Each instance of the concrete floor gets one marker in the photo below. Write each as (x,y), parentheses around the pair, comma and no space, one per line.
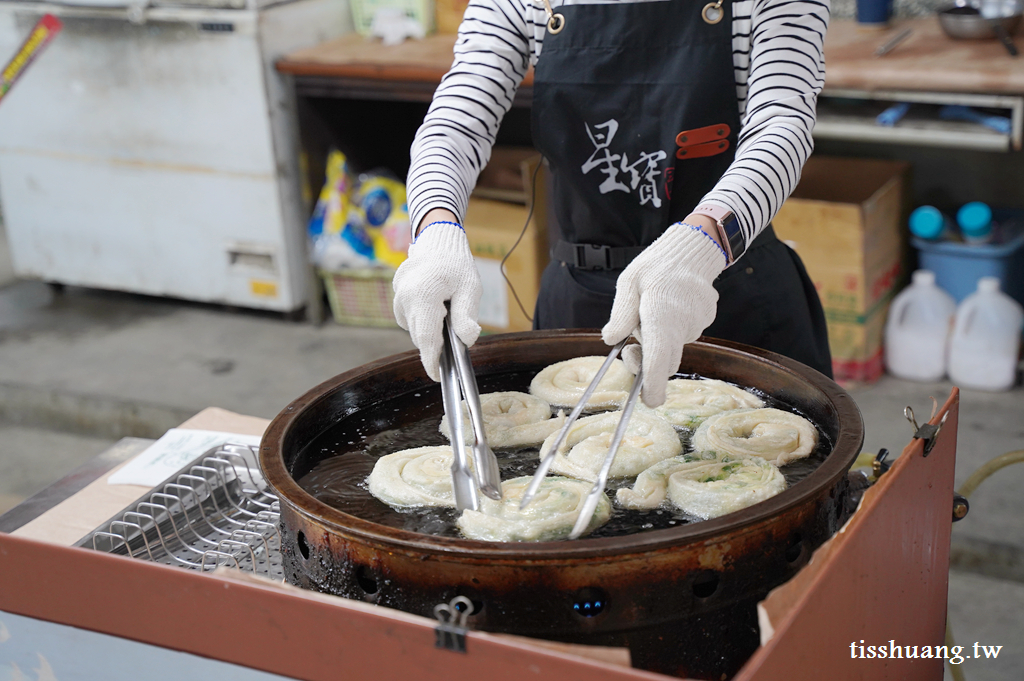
(989,612)
(80,368)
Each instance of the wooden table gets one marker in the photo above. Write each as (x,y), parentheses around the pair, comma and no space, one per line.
(927,60)
(354,67)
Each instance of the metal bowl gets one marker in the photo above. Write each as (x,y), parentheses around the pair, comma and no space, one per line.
(967,23)
(683,599)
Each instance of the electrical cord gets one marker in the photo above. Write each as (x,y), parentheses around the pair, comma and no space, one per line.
(529,216)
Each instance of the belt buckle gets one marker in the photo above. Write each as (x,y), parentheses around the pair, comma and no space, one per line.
(592,257)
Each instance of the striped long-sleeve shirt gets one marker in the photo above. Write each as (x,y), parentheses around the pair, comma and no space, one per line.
(779,69)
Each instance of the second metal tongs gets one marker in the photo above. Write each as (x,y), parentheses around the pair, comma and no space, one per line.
(458,381)
(590,503)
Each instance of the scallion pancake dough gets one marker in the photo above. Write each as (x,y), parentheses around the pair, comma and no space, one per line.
(511,419)
(705,487)
(688,402)
(651,486)
(772,434)
(421,476)
(549,516)
(648,440)
(564,383)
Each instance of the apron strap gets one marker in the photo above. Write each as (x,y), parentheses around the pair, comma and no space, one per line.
(594,257)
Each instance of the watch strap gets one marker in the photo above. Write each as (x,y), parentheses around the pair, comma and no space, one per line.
(728,226)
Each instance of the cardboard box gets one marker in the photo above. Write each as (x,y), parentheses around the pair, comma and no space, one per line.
(845,219)
(493,227)
(449,15)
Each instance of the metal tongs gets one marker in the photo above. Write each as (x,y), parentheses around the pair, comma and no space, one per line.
(458,381)
(594,496)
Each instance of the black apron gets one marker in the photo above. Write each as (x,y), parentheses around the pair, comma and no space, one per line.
(635,109)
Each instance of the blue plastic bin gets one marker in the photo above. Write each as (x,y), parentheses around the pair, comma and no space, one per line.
(958,267)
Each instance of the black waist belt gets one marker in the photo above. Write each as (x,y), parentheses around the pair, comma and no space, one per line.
(592,257)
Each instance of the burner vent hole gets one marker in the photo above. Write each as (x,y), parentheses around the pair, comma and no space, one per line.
(303,546)
(590,602)
(366,580)
(477,607)
(795,548)
(705,585)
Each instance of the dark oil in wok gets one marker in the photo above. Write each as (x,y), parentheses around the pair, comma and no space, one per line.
(333,468)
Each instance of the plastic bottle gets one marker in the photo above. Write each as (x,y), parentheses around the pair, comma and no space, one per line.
(929,223)
(917,330)
(986,339)
(975,220)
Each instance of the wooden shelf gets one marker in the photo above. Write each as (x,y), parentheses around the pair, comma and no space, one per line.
(851,114)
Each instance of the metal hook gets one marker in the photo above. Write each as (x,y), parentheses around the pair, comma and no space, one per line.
(210,497)
(111,537)
(243,545)
(908,412)
(142,533)
(219,555)
(556,22)
(256,492)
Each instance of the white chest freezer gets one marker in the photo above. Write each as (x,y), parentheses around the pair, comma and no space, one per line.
(152,147)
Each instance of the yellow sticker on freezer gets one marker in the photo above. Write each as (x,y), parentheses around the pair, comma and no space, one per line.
(263,288)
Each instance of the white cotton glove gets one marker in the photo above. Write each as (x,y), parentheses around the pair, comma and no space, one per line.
(666,298)
(440,267)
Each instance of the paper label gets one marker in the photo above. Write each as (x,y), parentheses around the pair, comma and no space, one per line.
(167,455)
(494,300)
(263,288)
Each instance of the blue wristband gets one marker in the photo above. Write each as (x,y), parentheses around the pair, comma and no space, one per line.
(710,238)
(440,222)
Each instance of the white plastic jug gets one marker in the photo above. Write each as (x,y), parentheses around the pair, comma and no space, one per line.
(917,331)
(986,339)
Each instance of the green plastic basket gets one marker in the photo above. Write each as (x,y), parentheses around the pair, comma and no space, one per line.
(361,297)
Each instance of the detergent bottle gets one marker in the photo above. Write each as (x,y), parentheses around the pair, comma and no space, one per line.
(985,345)
(917,330)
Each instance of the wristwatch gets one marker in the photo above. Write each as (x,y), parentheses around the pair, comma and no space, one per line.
(728,228)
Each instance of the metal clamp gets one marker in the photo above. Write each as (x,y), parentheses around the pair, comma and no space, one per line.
(556,22)
(451,629)
(928,432)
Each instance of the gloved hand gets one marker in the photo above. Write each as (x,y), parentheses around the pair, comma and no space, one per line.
(439,268)
(666,298)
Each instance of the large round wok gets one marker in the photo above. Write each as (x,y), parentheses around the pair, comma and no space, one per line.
(682,599)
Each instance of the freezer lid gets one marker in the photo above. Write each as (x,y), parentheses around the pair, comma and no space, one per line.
(184,4)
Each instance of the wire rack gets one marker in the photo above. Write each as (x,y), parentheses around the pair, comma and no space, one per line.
(214,512)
